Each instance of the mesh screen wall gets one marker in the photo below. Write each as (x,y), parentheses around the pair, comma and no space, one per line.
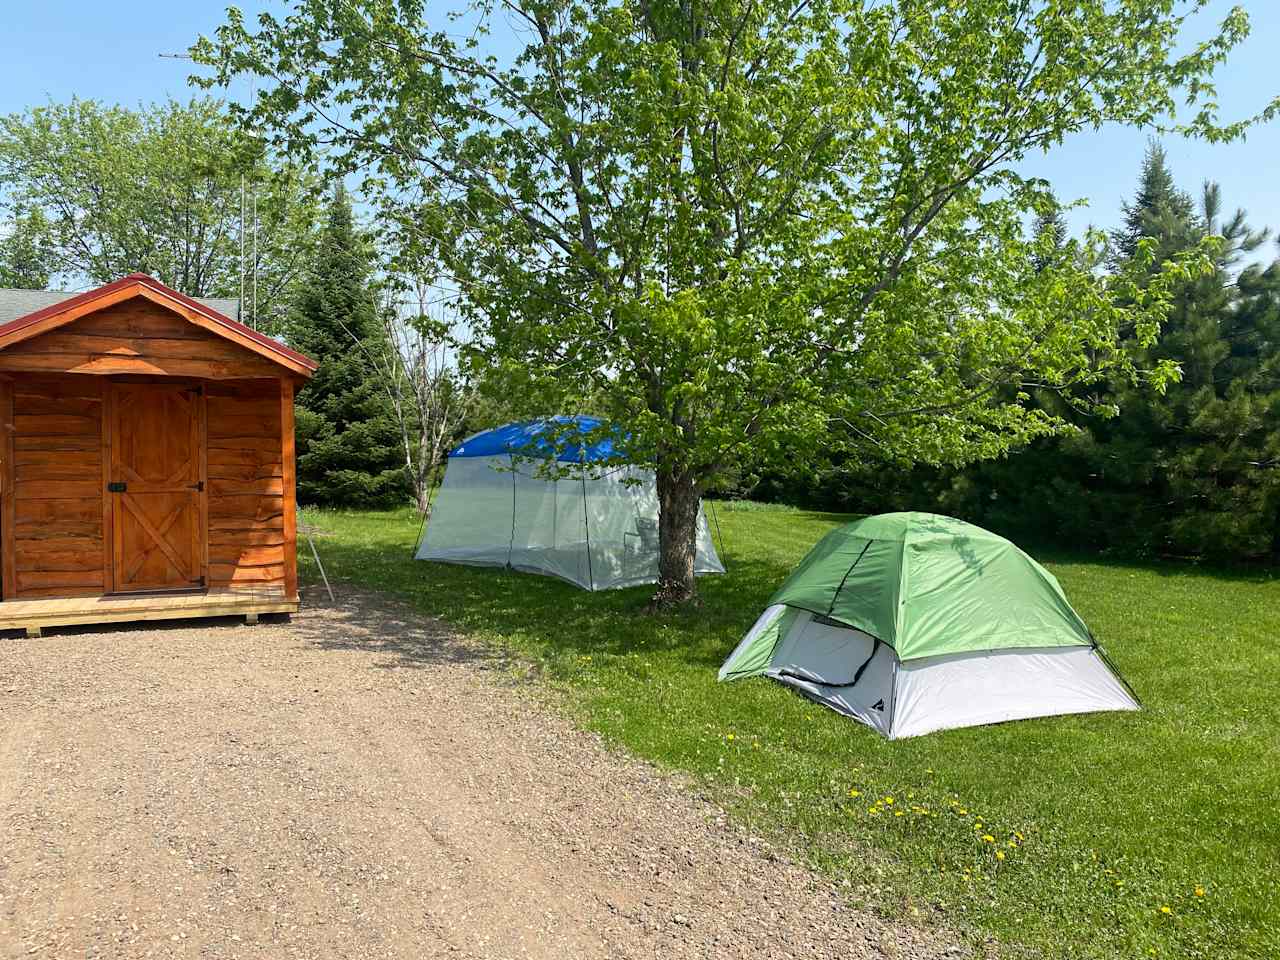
(594,527)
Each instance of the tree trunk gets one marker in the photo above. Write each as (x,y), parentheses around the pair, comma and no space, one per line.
(422,494)
(677,539)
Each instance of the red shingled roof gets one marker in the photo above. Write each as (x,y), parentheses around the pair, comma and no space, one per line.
(272,349)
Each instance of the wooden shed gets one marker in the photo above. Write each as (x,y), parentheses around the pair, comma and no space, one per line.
(146,461)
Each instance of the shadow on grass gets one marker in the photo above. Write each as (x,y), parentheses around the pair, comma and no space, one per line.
(1256,573)
(548,613)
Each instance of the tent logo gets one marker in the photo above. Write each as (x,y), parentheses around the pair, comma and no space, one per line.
(878,705)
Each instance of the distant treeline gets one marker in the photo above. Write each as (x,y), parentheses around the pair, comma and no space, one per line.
(1194,471)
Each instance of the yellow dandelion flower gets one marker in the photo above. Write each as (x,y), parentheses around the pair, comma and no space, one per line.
(731,736)
(999,854)
(889,801)
(1013,844)
(855,793)
(897,813)
(962,811)
(988,838)
(1166,910)
(873,810)
(1199,891)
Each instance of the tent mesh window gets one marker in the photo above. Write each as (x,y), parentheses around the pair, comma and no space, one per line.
(591,525)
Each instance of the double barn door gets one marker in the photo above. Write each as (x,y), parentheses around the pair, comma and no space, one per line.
(155,502)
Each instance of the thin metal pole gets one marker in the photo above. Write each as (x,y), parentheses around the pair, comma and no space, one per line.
(323,576)
(719,536)
(255,258)
(425,514)
(586,525)
(512,545)
(242,271)
(417,543)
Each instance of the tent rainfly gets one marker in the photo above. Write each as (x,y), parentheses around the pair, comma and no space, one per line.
(542,497)
(914,622)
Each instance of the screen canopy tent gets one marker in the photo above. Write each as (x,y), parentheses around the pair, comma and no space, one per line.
(550,497)
(914,622)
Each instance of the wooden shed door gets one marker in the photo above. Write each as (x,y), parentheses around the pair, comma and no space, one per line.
(155,487)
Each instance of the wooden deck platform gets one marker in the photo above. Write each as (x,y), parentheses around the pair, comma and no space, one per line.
(33,615)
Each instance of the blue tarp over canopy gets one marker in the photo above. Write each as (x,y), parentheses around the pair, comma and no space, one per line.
(559,438)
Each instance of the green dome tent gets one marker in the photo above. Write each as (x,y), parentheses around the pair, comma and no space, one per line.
(915,622)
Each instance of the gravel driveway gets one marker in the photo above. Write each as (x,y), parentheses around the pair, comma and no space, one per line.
(359,783)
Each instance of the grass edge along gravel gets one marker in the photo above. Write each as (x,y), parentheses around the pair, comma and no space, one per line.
(1155,834)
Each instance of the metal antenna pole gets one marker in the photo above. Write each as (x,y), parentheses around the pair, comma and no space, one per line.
(253,96)
(254,323)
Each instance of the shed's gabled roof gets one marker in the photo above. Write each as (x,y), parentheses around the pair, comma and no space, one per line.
(200,313)
(15,303)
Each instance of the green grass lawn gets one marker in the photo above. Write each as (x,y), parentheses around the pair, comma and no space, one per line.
(1124,835)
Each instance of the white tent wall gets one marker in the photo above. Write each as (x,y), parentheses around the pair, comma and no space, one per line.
(548,526)
(967,689)
(820,658)
(471,516)
(595,527)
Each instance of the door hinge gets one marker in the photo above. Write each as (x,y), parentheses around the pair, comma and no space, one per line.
(117,486)
(198,486)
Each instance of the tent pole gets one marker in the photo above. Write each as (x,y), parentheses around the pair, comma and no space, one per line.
(719,536)
(836,596)
(417,543)
(426,513)
(512,544)
(586,526)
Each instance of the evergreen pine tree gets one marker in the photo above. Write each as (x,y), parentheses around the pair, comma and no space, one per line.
(1195,470)
(1049,232)
(1164,475)
(1159,210)
(349,451)
(1225,475)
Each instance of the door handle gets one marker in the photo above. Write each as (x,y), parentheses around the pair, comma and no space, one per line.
(117,486)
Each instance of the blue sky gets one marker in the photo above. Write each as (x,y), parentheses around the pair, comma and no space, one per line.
(56,49)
